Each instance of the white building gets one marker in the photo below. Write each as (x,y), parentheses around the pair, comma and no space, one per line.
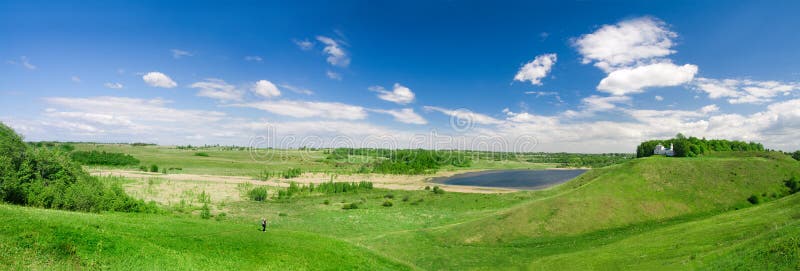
(660,150)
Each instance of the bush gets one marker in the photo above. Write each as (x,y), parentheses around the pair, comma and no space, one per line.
(406,198)
(205,212)
(350,206)
(754,199)
(103,158)
(387,203)
(793,184)
(258,193)
(438,190)
(143,168)
(203,154)
(326,202)
(153,168)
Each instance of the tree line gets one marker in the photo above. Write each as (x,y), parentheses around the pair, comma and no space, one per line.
(692,146)
(414,161)
(49,178)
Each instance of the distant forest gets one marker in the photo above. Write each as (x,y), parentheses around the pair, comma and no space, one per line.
(692,146)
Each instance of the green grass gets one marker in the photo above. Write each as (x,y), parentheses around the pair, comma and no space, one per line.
(46,239)
(648,214)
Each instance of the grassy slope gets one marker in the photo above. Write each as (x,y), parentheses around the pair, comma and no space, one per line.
(643,190)
(39,239)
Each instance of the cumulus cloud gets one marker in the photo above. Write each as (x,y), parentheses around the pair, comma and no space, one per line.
(304,45)
(536,69)
(635,80)
(333,75)
(178,53)
(336,54)
(266,89)
(113,85)
(399,94)
(626,43)
(217,89)
(739,91)
(658,98)
(405,115)
(305,109)
(157,79)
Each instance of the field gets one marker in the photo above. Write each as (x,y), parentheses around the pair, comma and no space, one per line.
(644,214)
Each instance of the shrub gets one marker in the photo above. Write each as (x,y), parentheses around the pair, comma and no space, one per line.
(153,168)
(326,202)
(387,203)
(438,190)
(350,206)
(406,198)
(793,184)
(203,154)
(427,187)
(205,212)
(754,199)
(258,193)
(143,168)
(221,216)
(103,158)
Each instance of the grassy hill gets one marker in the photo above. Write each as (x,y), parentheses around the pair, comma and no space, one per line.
(38,239)
(647,189)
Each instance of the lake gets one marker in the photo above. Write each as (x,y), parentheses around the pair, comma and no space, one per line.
(517,179)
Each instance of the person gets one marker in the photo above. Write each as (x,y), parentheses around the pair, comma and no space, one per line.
(263,224)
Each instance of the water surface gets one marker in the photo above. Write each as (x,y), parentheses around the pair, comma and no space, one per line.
(517,179)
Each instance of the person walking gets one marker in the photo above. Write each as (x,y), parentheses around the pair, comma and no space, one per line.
(263,224)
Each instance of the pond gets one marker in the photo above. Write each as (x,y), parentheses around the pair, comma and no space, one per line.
(517,179)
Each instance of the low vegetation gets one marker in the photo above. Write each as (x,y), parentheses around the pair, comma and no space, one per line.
(103,158)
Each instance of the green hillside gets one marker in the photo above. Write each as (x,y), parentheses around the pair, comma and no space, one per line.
(39,239)
(646,189)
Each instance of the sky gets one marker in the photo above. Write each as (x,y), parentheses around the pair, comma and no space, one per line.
(571,76)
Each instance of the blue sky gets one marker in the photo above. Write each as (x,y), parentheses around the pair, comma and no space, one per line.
(581,76)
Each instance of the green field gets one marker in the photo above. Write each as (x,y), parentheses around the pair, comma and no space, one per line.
(646,214)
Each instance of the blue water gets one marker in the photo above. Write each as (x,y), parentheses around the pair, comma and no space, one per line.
(517,179)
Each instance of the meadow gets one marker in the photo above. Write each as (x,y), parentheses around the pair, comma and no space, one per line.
(652,213)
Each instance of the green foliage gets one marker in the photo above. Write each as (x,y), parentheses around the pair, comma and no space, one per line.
(408,162)
(438,190)
(265,175)
(258,193)
(387,203)
(203,154)
(571,160)
(793,184)
(103,158)
(326,202)
(692,146)
(143,168)
(349,206)
(796,155)
(153,168)
(48,178)
(205,211)
(754,199)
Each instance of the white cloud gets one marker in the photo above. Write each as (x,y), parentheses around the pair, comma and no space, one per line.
(635,80)
(157,79)
(336,55)
(547,93)
(464,114)
(113,85)
(218,89)
(253,58)
(75,79)
(24,62)
(304,109)
(537,69)
(296,89)
(626,43)
(333,75)
(178,53)
(304,45)
(739,91)
(658,98)
(399,94)
(266,89)
(405,115)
